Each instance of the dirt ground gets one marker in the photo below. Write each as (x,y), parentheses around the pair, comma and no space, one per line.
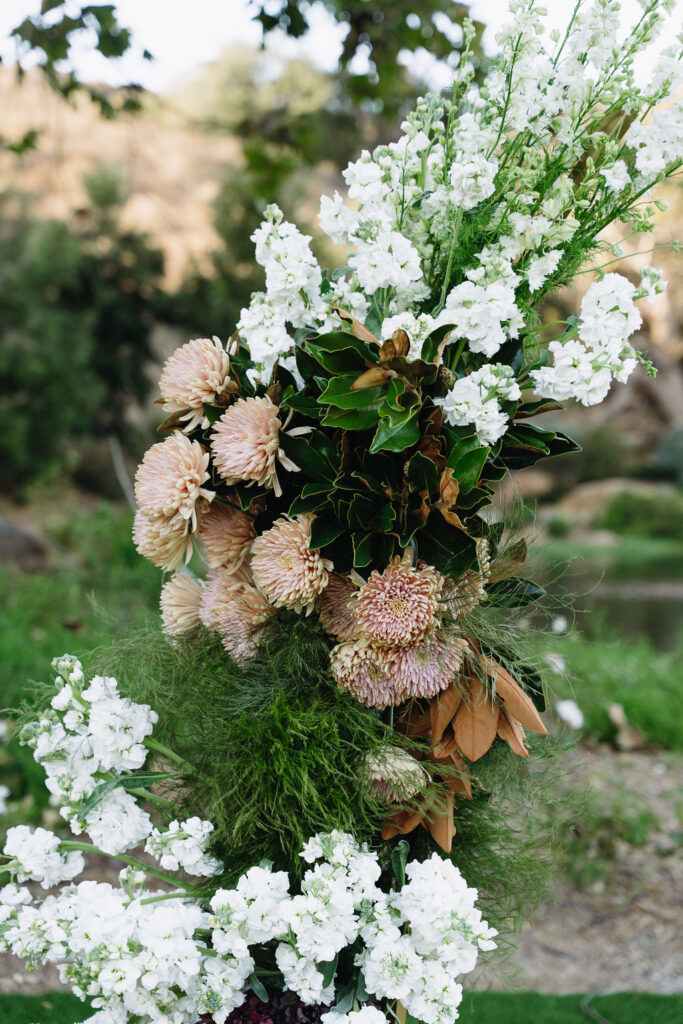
(624,935)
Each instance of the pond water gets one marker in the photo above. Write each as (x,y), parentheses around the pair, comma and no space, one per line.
(646,599)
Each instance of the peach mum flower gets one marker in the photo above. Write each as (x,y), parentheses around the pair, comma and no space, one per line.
(232,606)
(196,373)
(227,534)
(163,541)
(425,668)
(179,603)
(246,444)
(361,668)
(169,480)
(333,607)
(394,775)
(398,605)
(288,572)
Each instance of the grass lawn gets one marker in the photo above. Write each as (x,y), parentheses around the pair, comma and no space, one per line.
(476,1008)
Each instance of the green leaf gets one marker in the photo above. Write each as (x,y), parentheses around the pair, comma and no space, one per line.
(340,272)
(460,446)
(513,593)
(423,474)
(328,969)
(350,419)
(431,344)
(468,469)
(361,511)
(310,453)
(247,495)
(325,528)
(135,780)
(341,353)
(346,997)
(399,859)
(258,988)
(445,547)
(306,405)
(338,393)
(362,549)
(310,503)
(396,435)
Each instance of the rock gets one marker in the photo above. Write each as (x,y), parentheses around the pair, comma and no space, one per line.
(588,501)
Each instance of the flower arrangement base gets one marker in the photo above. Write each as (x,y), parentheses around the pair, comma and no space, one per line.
(281,1009)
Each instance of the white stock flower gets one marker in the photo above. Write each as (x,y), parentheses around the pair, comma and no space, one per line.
(116,823)
(183,845)
(616,177)
(475,399)
(472,181)
(35,856)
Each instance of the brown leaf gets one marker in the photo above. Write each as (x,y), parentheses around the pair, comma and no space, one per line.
(452,519)
(462,782)
(358,330)
(442,709)
(173,422)
(401,824)
(419,724)
(400,343)
(442,346)
(515,700)
(475,724)
(510,730)
(441,826)
(372,378)
(448,487)
(447,746)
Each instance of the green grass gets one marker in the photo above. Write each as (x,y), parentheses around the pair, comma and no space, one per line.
(476,1008)
(630,672)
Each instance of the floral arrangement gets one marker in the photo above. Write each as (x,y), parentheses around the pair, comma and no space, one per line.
(339,669)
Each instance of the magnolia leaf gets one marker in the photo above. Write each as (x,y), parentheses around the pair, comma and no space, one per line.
(442,709)
(373,378)
(516,701)
(452,519)
(338,393)
(358,329)
(446,548)
(310,454)
(476,722)
(441,826)
(396,435)
(351,419)
(362,549)
(422,472)
(325,529)
(510,730)
(468,469)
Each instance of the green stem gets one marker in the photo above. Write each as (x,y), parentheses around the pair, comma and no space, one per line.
(161,748)
(449,265)
(458,352)
(70,844)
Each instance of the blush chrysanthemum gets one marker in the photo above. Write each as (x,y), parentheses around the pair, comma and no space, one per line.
(226,534)
(398,606)
(334,610)
(179,603)
(163,541)
(169,480)
(233,607)
(360,667)
(287,570)
(428,666)
(196,373)
(246,444)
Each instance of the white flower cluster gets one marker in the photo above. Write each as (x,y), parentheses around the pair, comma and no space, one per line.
(183,845)
(92,735)
(145,956)
(584,368)
(475,399)
(415,942)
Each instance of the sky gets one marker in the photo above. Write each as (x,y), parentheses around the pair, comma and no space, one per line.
(184,34)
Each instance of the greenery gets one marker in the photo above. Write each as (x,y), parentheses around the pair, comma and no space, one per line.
(76,311)
(644,515)
(476,1008)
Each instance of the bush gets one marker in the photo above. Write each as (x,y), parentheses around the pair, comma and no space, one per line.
(644,515)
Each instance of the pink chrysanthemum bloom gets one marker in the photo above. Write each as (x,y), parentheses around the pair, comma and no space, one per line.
(163,541)
(246,444)
(334,610)
(289,573)
(179,603)
(427,667)
(233,607)
(226,534)
(394,775)
(197,372)
(169,481)
(361,668)
(398,605)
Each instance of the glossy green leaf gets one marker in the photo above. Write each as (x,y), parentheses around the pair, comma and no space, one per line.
(338,393)
(258,988)
(448,549)
(311,453)
(325,528)
(423,474)
(468,469)
(362,549)
(399,859)
(396,436)
(351,419)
